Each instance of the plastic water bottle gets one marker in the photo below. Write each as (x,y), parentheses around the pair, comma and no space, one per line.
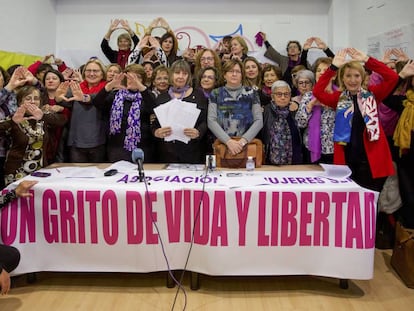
(250,164)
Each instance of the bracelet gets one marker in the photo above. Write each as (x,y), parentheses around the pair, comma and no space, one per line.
(7,198)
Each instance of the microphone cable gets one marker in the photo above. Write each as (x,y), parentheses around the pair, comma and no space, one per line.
(171,274)
(197,215)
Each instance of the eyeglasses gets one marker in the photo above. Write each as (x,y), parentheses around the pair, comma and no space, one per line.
(208,77)
(234,71)
(206,59)
(304,82)
(280,94)
(92,71)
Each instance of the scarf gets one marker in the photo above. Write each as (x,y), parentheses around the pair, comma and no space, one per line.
(93,89)
(314,133)
(267,90)
(181,90)
(402,134)
(345,111)
(280,137)
(122,58)
(133,130)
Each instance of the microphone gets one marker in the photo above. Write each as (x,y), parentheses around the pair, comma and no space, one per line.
(210,162)
(138,157)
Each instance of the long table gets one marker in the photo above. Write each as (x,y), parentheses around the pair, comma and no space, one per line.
(276,221)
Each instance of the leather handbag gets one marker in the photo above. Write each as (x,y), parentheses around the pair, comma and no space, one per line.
(225,159)
(402,259)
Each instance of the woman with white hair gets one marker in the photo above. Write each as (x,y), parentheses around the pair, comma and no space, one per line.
(304,80)
(281,136)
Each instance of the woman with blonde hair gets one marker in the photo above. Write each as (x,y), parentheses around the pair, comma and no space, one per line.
(239,48)
(359,140)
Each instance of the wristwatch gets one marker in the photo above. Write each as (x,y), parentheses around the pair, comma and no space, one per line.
(86,98)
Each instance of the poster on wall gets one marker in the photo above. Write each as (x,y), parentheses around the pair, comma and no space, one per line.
(400,37)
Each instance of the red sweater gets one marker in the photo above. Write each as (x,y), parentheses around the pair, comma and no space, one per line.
(378,152)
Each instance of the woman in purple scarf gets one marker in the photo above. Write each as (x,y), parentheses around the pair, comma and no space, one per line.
(317,121)
(129,108)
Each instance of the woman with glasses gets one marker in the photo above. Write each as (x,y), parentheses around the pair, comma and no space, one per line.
(160,80)
(286,63)
(174,150)
(234,109)
(206,58)
(29,132)
(87,131)
(317,121)
(270,74)
(281,136)
(209,78)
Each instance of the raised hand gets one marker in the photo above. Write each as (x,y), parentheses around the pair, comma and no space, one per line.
(320,44)
(408,70)
(308,43)
(35,112)
(386,58)
(134,83)
(114,24)
(17,79)
(61,91)
(116,82)
(77,75)
(125,25)
(67,73)
(357,55)
(77,93)
(340,58)
(144,42)
(48,58)
(18,116)
(29,77)
(154,42)
(400,54)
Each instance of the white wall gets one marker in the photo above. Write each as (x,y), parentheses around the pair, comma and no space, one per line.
(282,20)
(371,17)
(28,26)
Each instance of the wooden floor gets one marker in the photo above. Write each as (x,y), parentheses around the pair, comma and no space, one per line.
(116,291)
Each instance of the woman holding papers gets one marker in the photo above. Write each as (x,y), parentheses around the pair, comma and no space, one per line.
(129,108)
(180,126)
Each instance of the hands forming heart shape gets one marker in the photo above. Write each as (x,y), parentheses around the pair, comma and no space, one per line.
(27,111)
(63,89)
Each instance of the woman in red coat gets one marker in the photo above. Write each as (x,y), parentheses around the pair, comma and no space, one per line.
(359,139)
